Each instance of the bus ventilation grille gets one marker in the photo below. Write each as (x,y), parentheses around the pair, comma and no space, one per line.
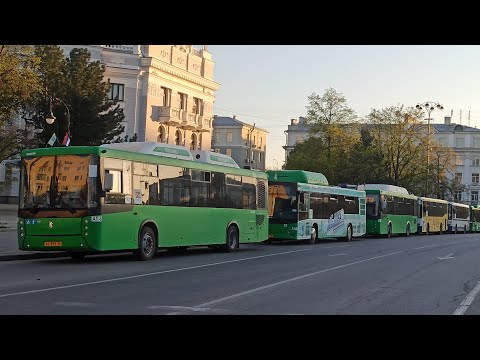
(261,194)
(260,219)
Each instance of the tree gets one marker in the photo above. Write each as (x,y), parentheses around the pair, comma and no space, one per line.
(18,81)
(365,162)
(327,114)
(443,162)
(78,82)
(397,135)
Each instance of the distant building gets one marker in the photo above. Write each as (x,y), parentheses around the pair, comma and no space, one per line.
(465,140)
(297,131)
(245,143)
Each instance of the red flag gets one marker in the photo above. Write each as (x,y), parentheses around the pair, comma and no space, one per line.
(66,140)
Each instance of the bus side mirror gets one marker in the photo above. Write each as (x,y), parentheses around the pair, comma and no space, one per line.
(108,183)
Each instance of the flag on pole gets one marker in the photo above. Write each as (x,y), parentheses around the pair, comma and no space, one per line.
(52,140)
(66,140)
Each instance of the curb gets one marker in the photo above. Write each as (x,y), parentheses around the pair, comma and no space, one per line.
(31,256)
(2,229)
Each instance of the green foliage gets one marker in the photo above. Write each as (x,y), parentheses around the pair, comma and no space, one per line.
(78,82)
(18,81)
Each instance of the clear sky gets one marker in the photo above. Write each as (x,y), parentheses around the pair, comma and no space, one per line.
(269,85)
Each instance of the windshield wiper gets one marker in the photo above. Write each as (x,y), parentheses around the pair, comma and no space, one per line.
(67,207)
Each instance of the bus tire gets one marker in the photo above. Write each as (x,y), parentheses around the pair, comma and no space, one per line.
(232,240)
(147,244)
(78,256)
(313,236)
(407,230)
(389,230)
(349,236)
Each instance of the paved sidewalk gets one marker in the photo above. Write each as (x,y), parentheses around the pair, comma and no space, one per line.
(8,217)
(8,238)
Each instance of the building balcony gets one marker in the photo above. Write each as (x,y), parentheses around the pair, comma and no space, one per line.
(126,48)
(178,117)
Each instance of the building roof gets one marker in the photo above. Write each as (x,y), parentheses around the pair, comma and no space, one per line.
(454,127)
(228,121)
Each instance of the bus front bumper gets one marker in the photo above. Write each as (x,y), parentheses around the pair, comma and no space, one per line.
(54,243)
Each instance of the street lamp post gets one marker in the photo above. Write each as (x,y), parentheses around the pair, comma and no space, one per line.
(50,119)
(429,106)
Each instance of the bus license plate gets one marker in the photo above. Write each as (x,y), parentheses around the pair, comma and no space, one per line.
(52,243)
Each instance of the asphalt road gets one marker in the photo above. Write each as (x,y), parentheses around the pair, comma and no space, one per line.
(436,274)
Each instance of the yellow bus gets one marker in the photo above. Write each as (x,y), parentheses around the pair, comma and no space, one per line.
(432,215)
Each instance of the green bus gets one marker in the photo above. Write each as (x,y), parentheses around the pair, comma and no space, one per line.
(302,206)
(390,210)
(475,218)
(138,197)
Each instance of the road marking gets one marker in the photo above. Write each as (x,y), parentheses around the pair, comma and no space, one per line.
(337,254)
(467,301)
(424,247)
(186,308)
(148,274)
(336,246)
(207,304)
(448,257)
(74,304)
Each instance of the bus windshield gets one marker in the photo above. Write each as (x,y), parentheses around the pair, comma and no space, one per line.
(283,201)
(59,182)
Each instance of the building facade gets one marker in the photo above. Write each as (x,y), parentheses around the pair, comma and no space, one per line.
(245,143)
(297,131)
(465,141)
(167,91)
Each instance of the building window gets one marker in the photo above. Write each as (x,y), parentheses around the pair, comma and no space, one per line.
(459,161)
(476,161)
(459,142)
(474,196)
(253,156)
(442,141)
(178,137)
(182,101)
(261,141)
(229,137)
(246,154)
(259,157)
(193,142)
(476,142)
(197,106)
(117,92)
(475,178)
(457,195)
(167,96)
(458,177)
(254,140)
(217,136)
(228,152)
(161,134)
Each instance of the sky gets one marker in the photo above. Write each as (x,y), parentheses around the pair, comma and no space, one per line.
(269,84)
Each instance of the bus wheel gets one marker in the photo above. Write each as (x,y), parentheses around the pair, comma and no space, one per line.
(231,243)
(349,233)
(77,255)
(313,236)
(389,231)
(407,230)
(147,244)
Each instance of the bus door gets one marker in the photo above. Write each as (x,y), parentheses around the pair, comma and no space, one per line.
(304,215)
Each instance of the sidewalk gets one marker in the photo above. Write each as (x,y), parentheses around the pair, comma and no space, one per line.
(8,216)
(8,238)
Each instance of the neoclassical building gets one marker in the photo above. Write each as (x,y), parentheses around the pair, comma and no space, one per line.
(167,91)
